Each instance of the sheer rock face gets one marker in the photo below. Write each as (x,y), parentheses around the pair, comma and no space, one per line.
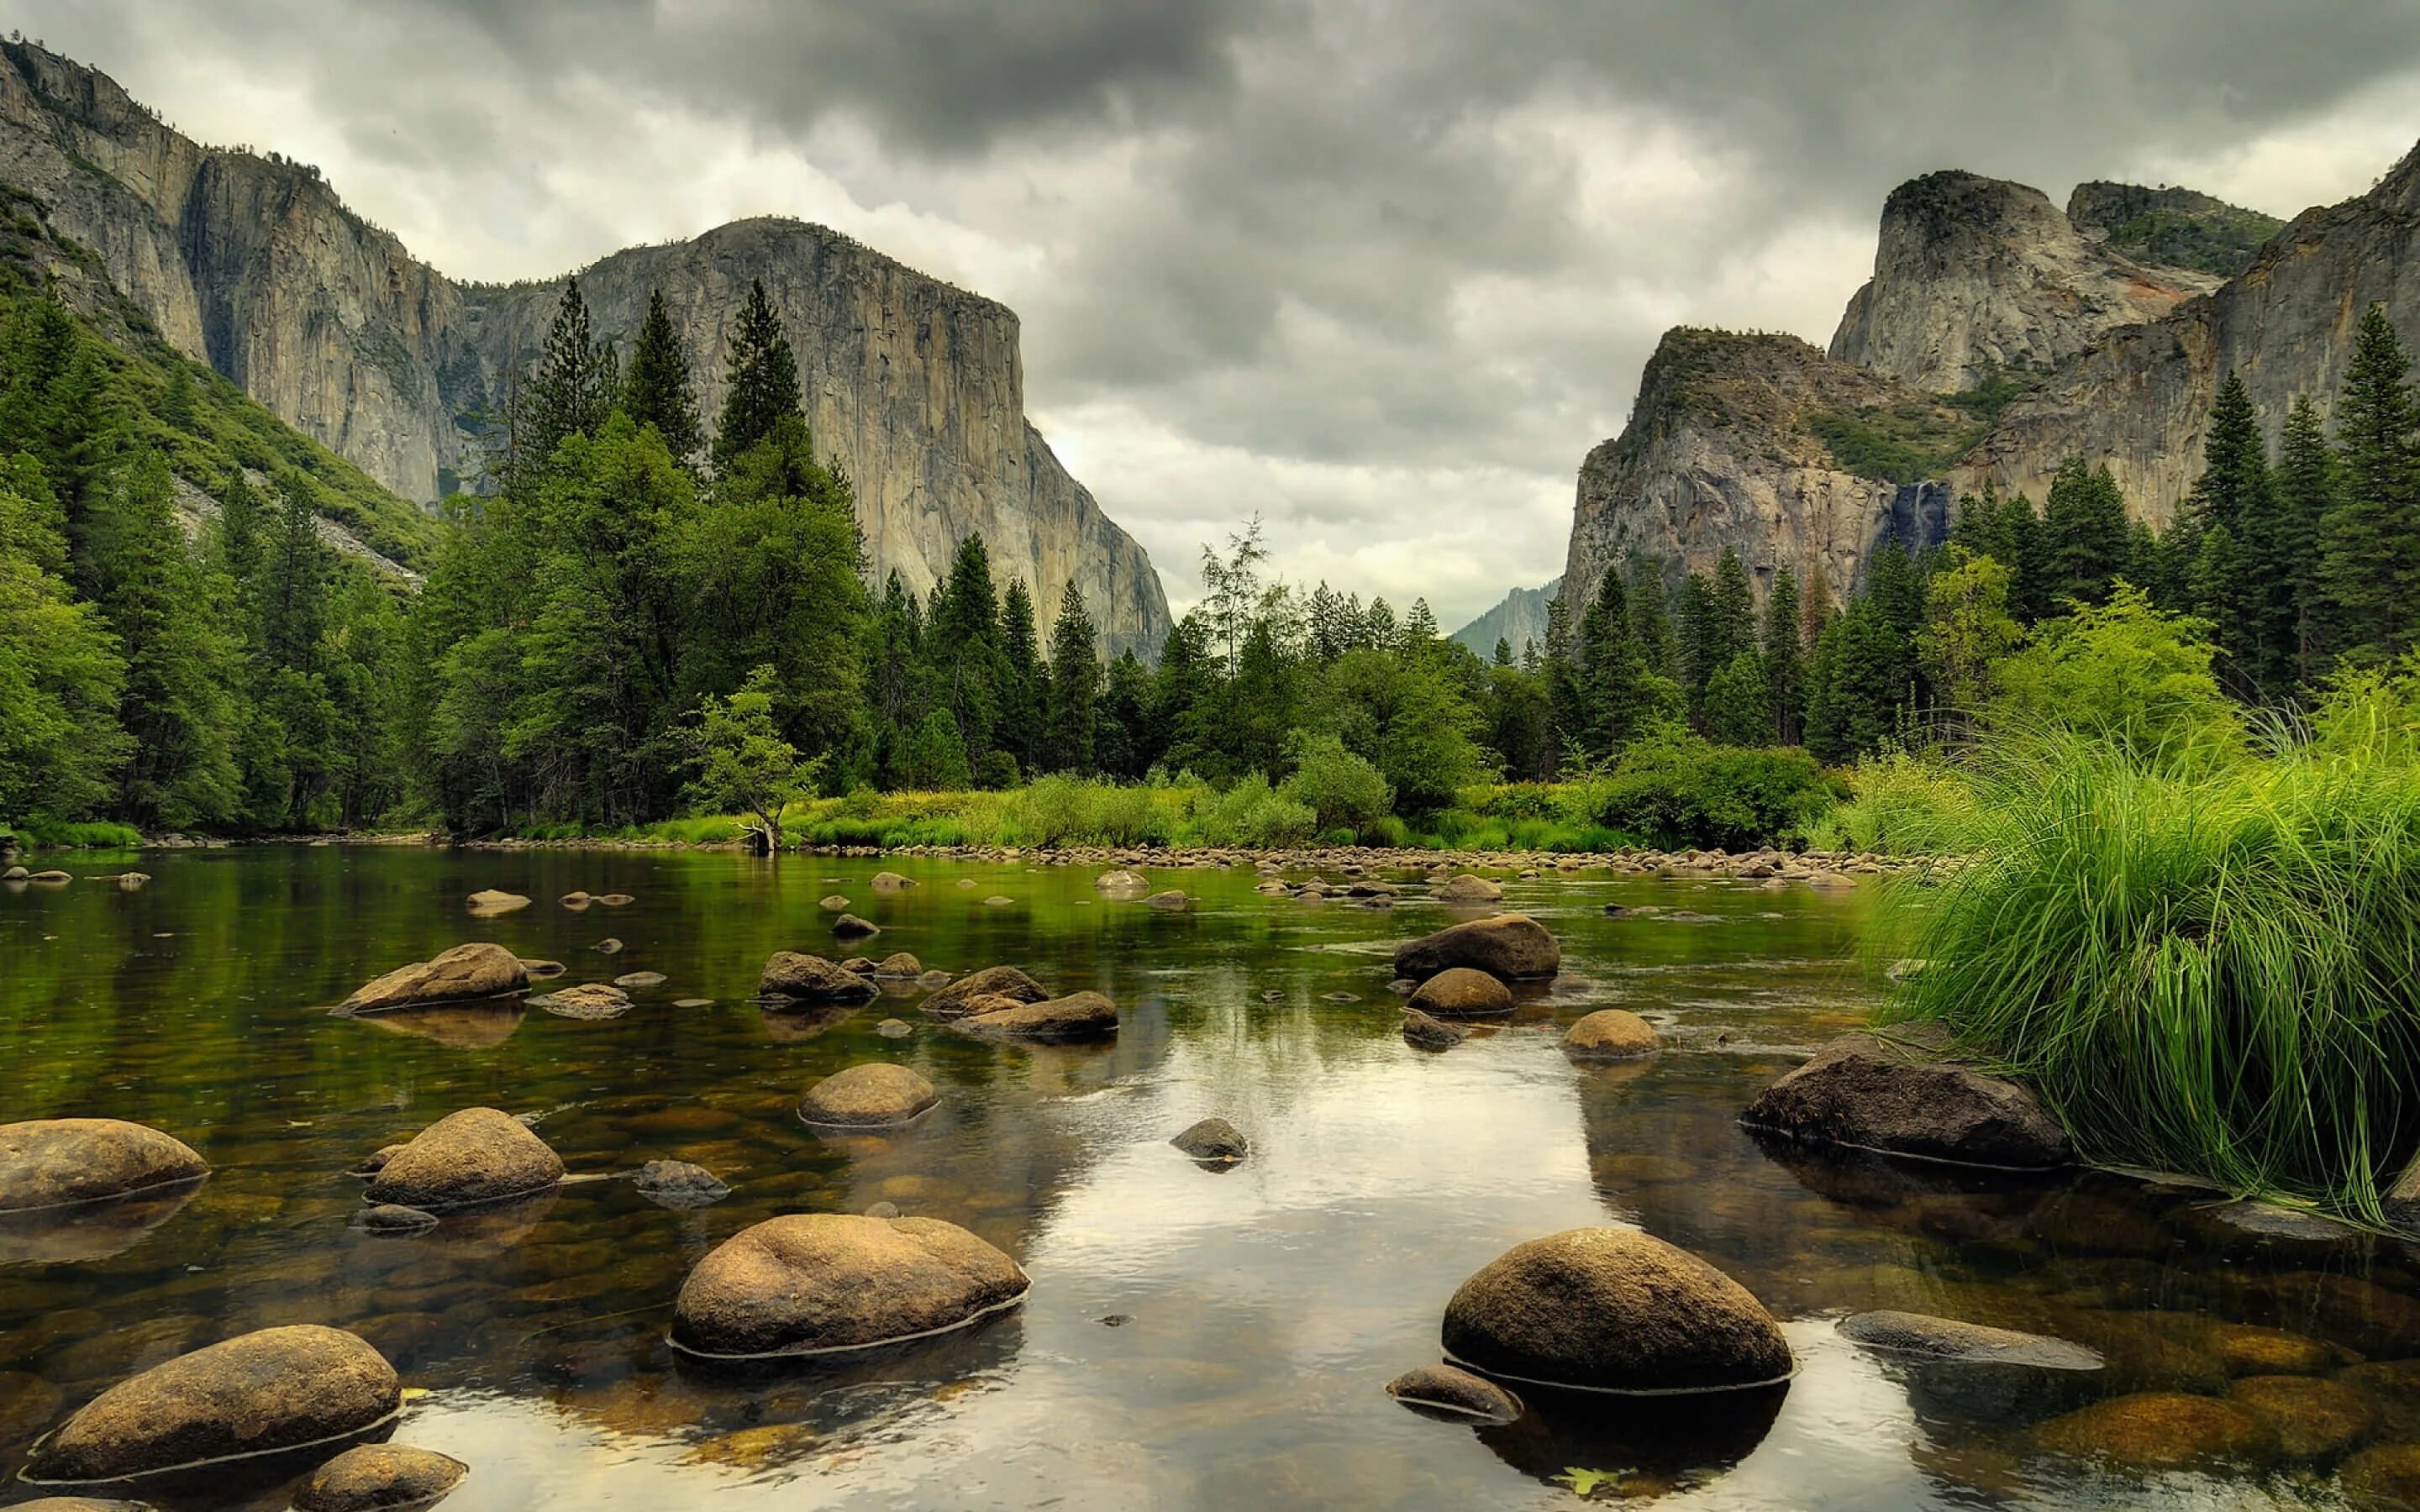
(1976,275)
(1717,455)
(256,266)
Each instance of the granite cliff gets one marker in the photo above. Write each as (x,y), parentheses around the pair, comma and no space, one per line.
(1519,621)
(252,263)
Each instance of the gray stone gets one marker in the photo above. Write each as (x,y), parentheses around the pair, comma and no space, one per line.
(1213,1140)
(676,1183)
(1446,1392)
(1905,1094)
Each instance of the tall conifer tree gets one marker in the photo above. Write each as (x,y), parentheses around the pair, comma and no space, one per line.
(2369,565)
(656,390)
(761,383)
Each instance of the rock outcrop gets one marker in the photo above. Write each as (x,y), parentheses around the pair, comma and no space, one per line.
(253,264)
(823,1283)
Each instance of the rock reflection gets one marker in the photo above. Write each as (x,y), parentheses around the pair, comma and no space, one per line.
(1643,1446)
(481,1025)
(89,1230)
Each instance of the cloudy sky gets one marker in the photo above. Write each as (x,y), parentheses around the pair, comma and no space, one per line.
(1380,269)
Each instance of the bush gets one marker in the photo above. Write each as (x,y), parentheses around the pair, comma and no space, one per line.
(1677,791)
(1342,789)
(1899,805)
(1253,815)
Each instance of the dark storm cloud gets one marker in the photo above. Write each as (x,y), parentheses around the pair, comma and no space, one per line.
(1361,255)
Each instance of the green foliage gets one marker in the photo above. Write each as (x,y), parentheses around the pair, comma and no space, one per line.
(1898,804)
(761,383)
(2369,565)
(1344,791)
(1677,790)
(656,387)
(2129,674)
(1253,813)
(740,760)
(2174,226)
(1905,442)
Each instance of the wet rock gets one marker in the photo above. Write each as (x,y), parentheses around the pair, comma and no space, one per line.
(693,1002)
(895,1028)
(2382,1479)
(393,1218)
(258,1393)
(833,903)
(1171,900)
(1445,1390)
(824,1283)
(640,978)
(1905,1096)
(1213,1140)
(589,1000)
(2251,1351)
(811,978)
(1610,1034)
(538,967)
(892,882)
(1467,889)
(1610,1309)
(15,873)
(1508,946)
(2157,1430)
(476,1155)
(875,1095)
(998,901)
(130,881)
(860,966)
(900,966)
(489,904)
(58,1162)
(27,1404)
(1053,1021)
(615,899)
(370,1477)
(1923,1336)
(952,1001)
(1462,993)
(1122,882)
(2271,1221)
(1425,1033)
(885,1208)
(462,972)
(52,878)
(851,927)
(608,946)
(676,1183)
(575,900)
(2308,1418)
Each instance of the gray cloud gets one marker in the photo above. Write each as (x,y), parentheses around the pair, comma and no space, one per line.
(1385,269)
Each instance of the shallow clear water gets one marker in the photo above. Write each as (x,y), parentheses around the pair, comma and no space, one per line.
(1193,1338)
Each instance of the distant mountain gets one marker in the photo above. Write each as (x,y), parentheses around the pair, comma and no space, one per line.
(1519,620)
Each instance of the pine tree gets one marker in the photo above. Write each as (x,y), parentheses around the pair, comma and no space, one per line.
(569,392)
(1785,660)
(1122,733)
(963,636)
(2305,492)
(1379,632)
(1566,711)
(2370,563)
(2234,563)
(1503,656)
(1075,687)
(656,389)
(1699,639)
(1608,671)
(761,381)
(1024,690)
(1651,620)
(2084,527)
(1734,611)
(1739,711)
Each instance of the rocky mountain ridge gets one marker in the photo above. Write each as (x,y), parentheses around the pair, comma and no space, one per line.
(1518,619)
(253,264)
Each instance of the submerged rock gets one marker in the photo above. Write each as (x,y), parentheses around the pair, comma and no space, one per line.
(589,1000)
(811,978)
(537,966)
(372,1476)
(1442,1389)
(608,946)
(1927,1337)
(375,1161)
(462,972)
(1122,881)
(676,1183)
(1171,900)
(899,966)
(2157,1430)
(1462,993)
(1213,1140)
(1425,1033)
(2307,1417)
(1054,1019)
(825,1283)
(80,1503)
(1510,947)
(1610,1309)
(393,1218)
(642,978)
(851,927)
(833,903)
(892,882)
(1904,1096)
(2382,1479)
(1467,889)
(476,1155)
(575,900)
(895,1028)
(2249,1350)
(875,1095)
(278,1389)
(954,1000)
(58,1162)
(615,899)
(1610,1034)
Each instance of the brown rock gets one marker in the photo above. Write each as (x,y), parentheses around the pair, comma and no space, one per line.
(391,1218)
(2251,1351)
(537,966)
(811,978)
(615,899)
(1905,1096)
(2382,1479)
(2308,1418)
(2157,1430)
(1425,1033)
(823,1283)
(1444,1390)
(833,903)
(1462,993)
(1171,900)
(57,1162)
(1122,881)
(1054,1019)
(80,1503)
(1467,889)
(1610,1034)
(900,966)
(1610,1309)
(875,1095)
(370,1476)
(1510,947)
(851,927)
(464,972)
(1926,1337)
(474,1156)
(955,999)
(1214,1139)
(892,882)
(589,1000)
(492,902)
(575,900)
(640,978)
(277,1389)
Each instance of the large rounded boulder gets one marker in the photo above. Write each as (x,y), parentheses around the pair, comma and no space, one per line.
(1508,946)
(278,1389)
(823,1283)
(474,1156)
(1907,1095)
(1052,1020)
(955,1000)
(1610,1034)
(1609,1309)
(811,978)
(876,1095)
(370,1476)
(461,974)
(55,1162)
(1462,993)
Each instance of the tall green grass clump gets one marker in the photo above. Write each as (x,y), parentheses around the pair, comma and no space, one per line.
(2204,966)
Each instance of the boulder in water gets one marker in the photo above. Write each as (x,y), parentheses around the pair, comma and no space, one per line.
(1610,1034)
(575,900)
(1424,1032)
(589,1000)
(951,1001)
(539,967)
(812,1284)
(892,882)
(1612,1309)
(1467,889)
(615,899)
(2157,1430)
(490,903)
(851,927)
(1053,1021)
(263,1393)
(375,1477)
(2383,1478)
(58,1162)
(608,946)
(676,1183)
(477,1155)
(640,978)
(1462,993)
(1214,1141)
(393,1218)
(459,975)
(1922,1336)
(1122,881)
(1441,1390)
(899,966)
(833,903)
(875,1095)
(52,878)
(16,873)
(1173,900)
(1906,1096)
(1508,947)
(811,978)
